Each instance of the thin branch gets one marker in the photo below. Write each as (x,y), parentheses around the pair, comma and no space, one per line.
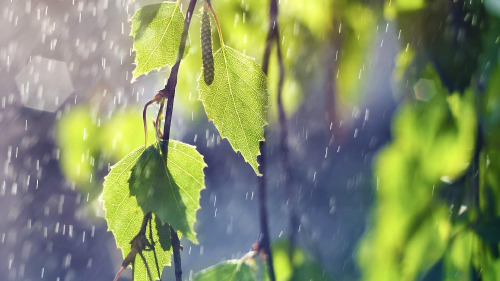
(176,244)
(153,246)
(264,241)
(169,92)
(285,163)
(272,37)
(169,89)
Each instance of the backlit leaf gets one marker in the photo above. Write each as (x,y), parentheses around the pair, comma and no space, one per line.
(236,102)
(124,217)
(157,31)
(232,270)
(170,191)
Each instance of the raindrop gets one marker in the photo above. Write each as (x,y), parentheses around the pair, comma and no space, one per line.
(14,189)
(2,191)
(60,205)
(67,261)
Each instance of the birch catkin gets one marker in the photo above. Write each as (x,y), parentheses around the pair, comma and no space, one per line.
(206,48)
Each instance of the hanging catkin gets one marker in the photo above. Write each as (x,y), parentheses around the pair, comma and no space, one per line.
(206,48)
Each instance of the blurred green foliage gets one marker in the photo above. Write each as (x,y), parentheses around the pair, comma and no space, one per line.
(90,145)
(297,266)
(436,214)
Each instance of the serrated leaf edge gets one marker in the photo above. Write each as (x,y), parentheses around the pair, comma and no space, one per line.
(103,201)
(171,146)
(265,113)
(134,50)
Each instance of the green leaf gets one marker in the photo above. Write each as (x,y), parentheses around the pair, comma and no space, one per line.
(232,270)
(236,102)
(170,191)
(124,217)
(157,31)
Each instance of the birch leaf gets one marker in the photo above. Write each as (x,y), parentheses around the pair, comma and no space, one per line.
(236,102)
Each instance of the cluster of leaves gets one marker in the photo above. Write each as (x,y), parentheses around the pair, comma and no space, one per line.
(437,211)
(166,178)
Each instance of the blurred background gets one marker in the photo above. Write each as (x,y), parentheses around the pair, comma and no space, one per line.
(393,113)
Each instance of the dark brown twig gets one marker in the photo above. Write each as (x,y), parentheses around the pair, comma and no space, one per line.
(273,37)
(138,244)
(153,246)
(177,254)
(169,92)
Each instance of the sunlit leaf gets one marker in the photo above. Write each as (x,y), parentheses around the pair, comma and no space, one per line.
(232,270)
(171,191)
(236,102)
(157,31)
(124,217)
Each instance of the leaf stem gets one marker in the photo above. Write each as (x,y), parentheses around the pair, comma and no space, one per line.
(219,30)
